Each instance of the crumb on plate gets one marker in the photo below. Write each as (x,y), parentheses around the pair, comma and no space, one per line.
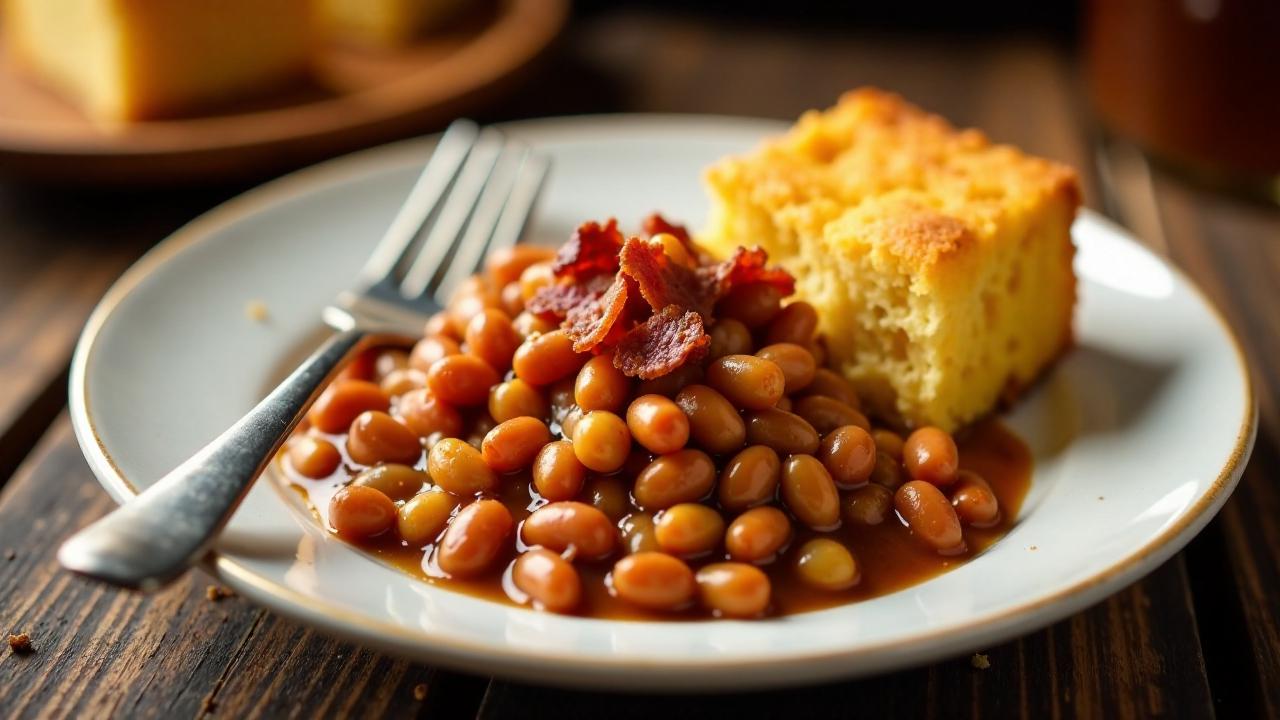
(256,310)
(980,661)
(20,644)
(216,593)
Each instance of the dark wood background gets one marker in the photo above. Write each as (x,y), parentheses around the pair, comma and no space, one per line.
(1198,637)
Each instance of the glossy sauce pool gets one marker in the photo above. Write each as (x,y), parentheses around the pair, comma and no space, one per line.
(889,557)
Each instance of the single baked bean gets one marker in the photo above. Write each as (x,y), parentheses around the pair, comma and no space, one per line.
(459,468)
(810,493)
(461,380)
(562,525)
(430,349)
(314,458)
(376,437)
(826,414)
(549,580)
(601,441)
(868,505)
(505,265)
(758,535)
(543,359)
(931,455)
(402,380)
(396,481)
(795,323)
(832,384)
(512,445)
(747,381)
(827,565)
(557,472)
(674,249)
(360,367)
(534,278)
(342,401)
(424,516)
(438,325)
(714,423)
(658,424)
(512,302)
(785,432)
(517,398)
(474,539)
(683,476)
(849,454)
(930,516)
(638,533)
(469,300)
(360,512)
(653,580)
(974,501)
(388,361)
(608,495)
(753,304)
(729,337)
(425,415)
(796,362)
(601,386)
(888,472)
(569,420)
(689,529)
(527,324)
(491,337)
(733,590)
(749,478)
(673,382)
(888,442)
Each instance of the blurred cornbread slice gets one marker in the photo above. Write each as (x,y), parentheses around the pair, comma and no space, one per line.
(138,59)
(940,264)
(384,23)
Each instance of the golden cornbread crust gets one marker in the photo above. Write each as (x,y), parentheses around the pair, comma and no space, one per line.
(939,263)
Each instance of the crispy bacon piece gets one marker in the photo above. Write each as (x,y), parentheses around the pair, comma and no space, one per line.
(745,267)
(593,250)
(664,342)
(663,282)
(591,323)
(553,302)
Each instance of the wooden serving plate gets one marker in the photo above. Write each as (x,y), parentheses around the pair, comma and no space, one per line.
(357,97)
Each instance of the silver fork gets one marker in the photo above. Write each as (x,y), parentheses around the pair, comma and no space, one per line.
(473,197)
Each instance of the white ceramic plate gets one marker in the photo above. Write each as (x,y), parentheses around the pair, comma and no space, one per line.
(1139,434)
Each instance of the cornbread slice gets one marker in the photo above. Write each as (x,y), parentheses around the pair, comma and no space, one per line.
(939,263)
(123,60)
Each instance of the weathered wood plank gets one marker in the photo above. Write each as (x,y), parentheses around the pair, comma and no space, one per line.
(101,652)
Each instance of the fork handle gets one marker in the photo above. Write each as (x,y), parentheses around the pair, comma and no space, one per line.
(153,538)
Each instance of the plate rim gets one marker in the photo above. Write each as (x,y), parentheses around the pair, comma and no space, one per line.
(413,642)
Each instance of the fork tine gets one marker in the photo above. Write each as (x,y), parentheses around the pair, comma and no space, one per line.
(475,244)
(446,232)
(524,194)
(430,187)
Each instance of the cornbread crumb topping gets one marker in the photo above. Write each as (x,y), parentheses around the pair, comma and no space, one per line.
(980,661)
(20,644)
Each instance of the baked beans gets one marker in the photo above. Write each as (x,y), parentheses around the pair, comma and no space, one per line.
(750,478)
(795,361)
(795,323)
(361,512)
(689,530)
(341,402)
(424,516)
(785,432)
(425,415)
(376,437)
(549,580)
(505,265)
(601,441)
(753,305)
(459,468)
(639,533)
(827,565)
(868,505)
(601,386)
(974,501)
(570,526)
(653,580)
(398,482)
(849,454)
(512,445)
(557,472)
(930,516)
(729,337)
(461,380)
(826,414)
(930,454)
(810,493)
(714,423)
(829,383)
(542,359)
(733,590)
(758,535)
(430,349)
(474,538)
(314,458)
(517,398)
(658,424)
(491,337)
(747,381)
(683,476)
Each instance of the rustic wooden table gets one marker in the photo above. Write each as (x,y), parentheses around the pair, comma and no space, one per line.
(1198,637)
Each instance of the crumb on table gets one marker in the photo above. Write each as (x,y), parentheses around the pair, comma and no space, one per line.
(1033,548)
(216,593)
(420,692)
(10,554)
(256,310)
(20,644)
(980,661)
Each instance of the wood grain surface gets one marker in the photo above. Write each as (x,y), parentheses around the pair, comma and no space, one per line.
(1197,638)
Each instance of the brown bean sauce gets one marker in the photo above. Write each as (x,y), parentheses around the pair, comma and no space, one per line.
(889,557)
